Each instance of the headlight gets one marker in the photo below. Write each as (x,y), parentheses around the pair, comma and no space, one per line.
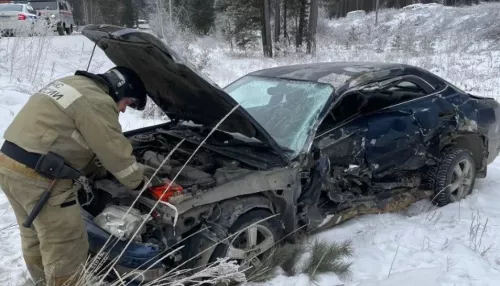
(114,221)
(52,16)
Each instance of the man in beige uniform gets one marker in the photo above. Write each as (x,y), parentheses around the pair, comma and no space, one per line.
(75,117)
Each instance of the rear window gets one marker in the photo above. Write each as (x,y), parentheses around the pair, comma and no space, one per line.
(49,5)
(11,7)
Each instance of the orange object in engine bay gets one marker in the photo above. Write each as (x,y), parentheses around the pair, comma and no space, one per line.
(164,192)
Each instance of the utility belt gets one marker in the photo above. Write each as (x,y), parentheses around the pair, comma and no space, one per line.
(50,165)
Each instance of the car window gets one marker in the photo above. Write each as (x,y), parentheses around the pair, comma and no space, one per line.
(31,10)
(11,7)
(49,5)
(349,104)
(61,6)
(327,123)
(399,93)
(371,99)
(286,109)
(406,86)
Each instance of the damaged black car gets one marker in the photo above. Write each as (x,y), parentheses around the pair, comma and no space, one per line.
(313,144)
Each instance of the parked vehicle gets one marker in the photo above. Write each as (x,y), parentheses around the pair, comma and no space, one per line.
(57,13)
(316,144)
(17,18)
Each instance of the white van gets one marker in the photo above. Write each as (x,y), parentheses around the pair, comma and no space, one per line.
(57,12)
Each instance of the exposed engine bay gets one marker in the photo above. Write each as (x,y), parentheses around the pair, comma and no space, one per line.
(205,171)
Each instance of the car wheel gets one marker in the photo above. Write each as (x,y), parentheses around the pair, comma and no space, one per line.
(69,30)
(60,30)
(250,247)
(455,176)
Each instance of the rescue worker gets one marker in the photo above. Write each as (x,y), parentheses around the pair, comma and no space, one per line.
(75,117)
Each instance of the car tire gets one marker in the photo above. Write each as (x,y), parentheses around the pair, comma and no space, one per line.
(60,30)
(267,233)
(69,30)
(454,177)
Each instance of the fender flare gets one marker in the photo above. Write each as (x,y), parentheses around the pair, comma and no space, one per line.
(476,143)
(230,211)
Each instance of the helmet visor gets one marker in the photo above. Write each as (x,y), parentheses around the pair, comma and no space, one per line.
(137,104)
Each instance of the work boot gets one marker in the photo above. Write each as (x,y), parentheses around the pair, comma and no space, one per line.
(35,268)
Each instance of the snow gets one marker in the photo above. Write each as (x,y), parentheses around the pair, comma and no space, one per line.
(356,14)
(423,245)
(422,6)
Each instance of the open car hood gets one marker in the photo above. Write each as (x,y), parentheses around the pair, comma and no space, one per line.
(173,83)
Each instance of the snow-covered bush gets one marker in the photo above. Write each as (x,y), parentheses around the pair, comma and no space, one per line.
(464,25)
(25,54)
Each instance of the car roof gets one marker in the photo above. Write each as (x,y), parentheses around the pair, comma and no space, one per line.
(342,74)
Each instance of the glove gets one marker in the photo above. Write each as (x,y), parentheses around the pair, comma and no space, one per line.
(155,182)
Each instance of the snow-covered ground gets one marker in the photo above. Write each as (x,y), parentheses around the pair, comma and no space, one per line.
(421,246)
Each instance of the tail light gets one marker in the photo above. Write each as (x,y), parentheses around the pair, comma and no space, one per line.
(164,192)
(21,17)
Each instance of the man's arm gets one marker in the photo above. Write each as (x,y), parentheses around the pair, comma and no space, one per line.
(99,126)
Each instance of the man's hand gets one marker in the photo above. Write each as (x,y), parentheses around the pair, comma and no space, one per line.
(148,173)
(155,182)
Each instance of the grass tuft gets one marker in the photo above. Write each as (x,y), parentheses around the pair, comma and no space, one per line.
(328,257)
(284,256)
(324,257)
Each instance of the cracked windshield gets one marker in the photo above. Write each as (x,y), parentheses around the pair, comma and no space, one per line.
(286,109)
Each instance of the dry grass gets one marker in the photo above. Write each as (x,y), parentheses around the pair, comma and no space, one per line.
(25,56)
(476,234)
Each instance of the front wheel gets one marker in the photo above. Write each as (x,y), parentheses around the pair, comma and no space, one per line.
(69,30)
(455,176)
(250,246)
(60,30)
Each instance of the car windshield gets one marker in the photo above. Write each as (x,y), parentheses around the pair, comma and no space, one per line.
(49,5)
(11,7)
(287,109)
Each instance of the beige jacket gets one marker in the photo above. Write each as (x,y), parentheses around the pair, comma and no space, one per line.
(76,118)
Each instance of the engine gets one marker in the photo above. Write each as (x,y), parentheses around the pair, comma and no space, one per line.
(205,170)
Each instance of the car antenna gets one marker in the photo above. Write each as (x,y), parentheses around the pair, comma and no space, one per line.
(91,56)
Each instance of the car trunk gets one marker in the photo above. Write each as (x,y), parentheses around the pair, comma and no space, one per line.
(8,16)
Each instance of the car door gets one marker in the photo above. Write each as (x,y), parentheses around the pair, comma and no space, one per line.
(341,135)
(399,135)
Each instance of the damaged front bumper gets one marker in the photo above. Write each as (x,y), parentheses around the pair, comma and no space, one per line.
(136,258)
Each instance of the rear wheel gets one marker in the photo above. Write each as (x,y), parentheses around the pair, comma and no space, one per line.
(250,247)
(60,30)
(455,176)
(69,30)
